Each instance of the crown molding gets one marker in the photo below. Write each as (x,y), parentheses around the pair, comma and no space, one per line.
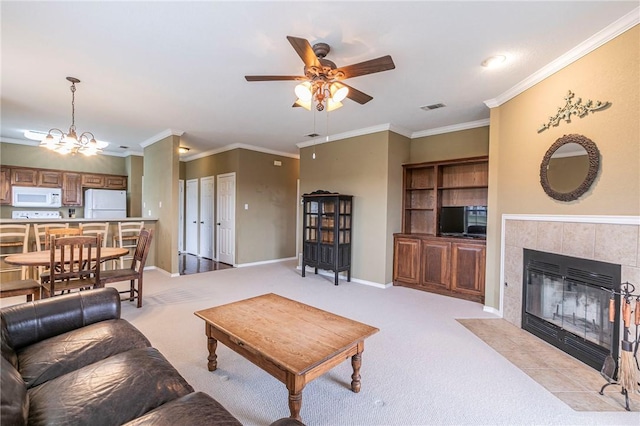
(623,24)
(239,146)
(452,128)
(354,133)
(160,136)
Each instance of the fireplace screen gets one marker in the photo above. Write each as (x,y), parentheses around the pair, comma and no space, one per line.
(580,309)
(566,303)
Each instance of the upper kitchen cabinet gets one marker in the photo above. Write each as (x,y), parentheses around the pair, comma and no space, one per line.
(104,181)
(50,178)
(5,185)
(71,189)
(24,177)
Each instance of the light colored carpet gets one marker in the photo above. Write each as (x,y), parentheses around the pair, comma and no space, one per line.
(422,368)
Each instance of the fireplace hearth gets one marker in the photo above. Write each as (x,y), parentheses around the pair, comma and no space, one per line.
(566,303)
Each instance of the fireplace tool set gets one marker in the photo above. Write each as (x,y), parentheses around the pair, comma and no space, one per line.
(629,366)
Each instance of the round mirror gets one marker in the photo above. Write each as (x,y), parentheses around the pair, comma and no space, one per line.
(569,167)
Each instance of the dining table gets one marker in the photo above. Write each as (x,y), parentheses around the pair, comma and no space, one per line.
(43,258)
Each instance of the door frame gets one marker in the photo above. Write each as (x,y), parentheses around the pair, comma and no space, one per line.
(201,249)
(196,245)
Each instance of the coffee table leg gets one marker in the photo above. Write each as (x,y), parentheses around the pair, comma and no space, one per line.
(356,362)
(212,345)
(295,384)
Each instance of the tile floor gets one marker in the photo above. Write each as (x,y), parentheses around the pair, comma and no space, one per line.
(190,264)
(572,381)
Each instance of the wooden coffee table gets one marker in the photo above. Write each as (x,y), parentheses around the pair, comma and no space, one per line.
(293,342)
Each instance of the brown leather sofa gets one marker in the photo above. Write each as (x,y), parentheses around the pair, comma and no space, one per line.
(72,360)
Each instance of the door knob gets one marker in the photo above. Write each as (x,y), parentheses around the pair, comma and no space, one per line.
(194,221)
(218,223)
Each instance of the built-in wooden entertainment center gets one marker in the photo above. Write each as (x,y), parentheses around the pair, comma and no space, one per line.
(424,258)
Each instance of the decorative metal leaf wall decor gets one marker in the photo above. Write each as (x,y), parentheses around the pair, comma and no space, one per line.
(578,108)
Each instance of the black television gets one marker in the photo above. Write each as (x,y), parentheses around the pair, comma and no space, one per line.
(463,221)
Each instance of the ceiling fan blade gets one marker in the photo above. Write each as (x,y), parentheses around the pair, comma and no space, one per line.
(304,50)
(274,77)
(356,95)
(383,63)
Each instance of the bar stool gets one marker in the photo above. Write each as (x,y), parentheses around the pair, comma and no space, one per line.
(128,234)
(13,239)
(101,228)
(95,229)
(39,230)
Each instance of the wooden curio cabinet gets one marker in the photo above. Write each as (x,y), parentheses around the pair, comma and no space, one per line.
(326,232)
(427,258)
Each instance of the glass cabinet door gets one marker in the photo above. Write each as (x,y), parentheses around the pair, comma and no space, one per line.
(311,217)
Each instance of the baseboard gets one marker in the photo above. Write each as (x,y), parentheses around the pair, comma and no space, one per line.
(162,271)
(264,262)
(343,276)
(492,310)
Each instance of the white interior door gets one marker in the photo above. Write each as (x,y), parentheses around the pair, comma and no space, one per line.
(180,216)
(226,212)
(191,213)
(206,216)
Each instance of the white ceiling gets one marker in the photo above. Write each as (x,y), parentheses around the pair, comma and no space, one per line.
(147,67)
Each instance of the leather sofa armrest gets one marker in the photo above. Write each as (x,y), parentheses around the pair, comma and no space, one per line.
(32,322)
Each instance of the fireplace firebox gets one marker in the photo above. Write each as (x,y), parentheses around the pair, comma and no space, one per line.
(566,303)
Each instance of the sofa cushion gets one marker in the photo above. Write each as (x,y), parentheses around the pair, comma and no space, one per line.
(14,405)
(194,409)
(5,344)
(109,392)
(70,351)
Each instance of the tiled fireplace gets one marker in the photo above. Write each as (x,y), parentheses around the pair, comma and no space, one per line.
(611,239)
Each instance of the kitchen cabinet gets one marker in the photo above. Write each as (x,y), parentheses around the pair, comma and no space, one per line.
(92,181)
(115,182)
(24,177)
(5,185)
(100,181)
(450,266)
(71,189)
(326,232)
(50,178)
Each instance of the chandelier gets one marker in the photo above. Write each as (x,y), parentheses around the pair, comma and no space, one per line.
(70,142)
(325,94)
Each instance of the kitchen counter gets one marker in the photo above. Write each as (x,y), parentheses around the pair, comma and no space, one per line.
(80,220)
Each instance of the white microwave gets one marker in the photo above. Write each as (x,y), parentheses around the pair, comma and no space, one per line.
(29,196)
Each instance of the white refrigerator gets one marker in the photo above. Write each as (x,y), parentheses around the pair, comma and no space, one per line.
(105,203)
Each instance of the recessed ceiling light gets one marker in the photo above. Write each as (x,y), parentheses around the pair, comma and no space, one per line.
(493,61)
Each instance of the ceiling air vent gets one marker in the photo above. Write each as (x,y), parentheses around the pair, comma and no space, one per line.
(124,147)
(434,106)
(313,135)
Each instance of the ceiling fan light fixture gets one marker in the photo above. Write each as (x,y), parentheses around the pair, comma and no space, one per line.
(304,104)
(332,105)
(338,92)
(303,91)
(183,150)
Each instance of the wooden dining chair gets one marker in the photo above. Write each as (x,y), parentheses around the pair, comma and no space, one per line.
(135,272)
(13,239)
(74,264)
(60,232)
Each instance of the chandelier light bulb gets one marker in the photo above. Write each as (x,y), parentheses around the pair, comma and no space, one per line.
(338,92)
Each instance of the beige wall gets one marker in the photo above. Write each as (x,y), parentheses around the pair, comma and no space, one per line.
(358,166)
(398,154)
(160,192)
(34,156)
(610,73)
(448,146)
(266,230)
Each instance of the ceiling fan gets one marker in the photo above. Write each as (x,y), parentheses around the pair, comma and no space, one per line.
(322,81)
